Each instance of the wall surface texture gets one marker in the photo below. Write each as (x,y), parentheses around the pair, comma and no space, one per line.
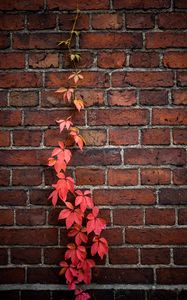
(134,65)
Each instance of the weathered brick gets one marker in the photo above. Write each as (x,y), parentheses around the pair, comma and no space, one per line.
(180,4)
(172,196)
(21,5)
(12,60)
(155,176)
(180,136)
(110,40)
(179,97)
(182,216)
(126,217)
(175,60)
(172,275)
(13,197)
(41,21)
(3,98)
(30,217)
(3,256)
(122,98)
(112,60)
(24,98)
(90,176)
(124,197)
(43,60)
(151,256)
(118,117)
(179,255)
(123,136)
(123,256)
(144,60)
(66,21)
(155,156)
(83,5)
(166,116)
(26,176)
(182,78)
(20,80)
(122,177)
(24,157)
(154,216)
(172,20)
(139,21)
(137,4)
(156,136)
(107,21)
(12,275)
(25,256)
(86,60)
(155,40)
(10,118)
(180,176)
(4,177)
(4,138)
(27,137)
(142,79)
(6,217)
(12,22)
(151,97)
(4,41)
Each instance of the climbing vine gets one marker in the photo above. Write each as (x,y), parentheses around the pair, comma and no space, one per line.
(81,216)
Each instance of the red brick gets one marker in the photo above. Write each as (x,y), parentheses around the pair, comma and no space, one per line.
(34,237)
(180,4)
(180,256)
(3,98)
(12,60)
(122,177)
(21,5)
(122,98)
(51,137)
(180,136)
(6,217)
(26,177)
(123,275)
(124,197)
(13,197)
(173,20)
(43,60)
(91,97)
(179,97)
(20,80)
(155,136)
(155,156)
(182,78)
(139,21)
(30,217)
(175,60)
(12,275)
(11,22)
(173,196)
(39,197)
(114,236)
(23,98)
(150,256)
(143,4)
(166,116)
(154,216)
(10,118)
(123,256)
(3,256)
(123,136)
(118,117)
(25,256)
(156,236)
(126,217)
(53,255)
(91,79)
(105,213)
(172,276)
(94,137)
(43,275)
(38,40)
(49,117)
(4,138)
(66,21)
(4,177)
(83,4)
(112,60)
(155,176)
(96,157)
(110,40)
(4,40)
(24,157)
(182,215)
(142,79)
(144,60)
(156,40)
(41,21)
(148,97)
(180,176)
(27,137)
(89,176)
(86,60)
(107,21)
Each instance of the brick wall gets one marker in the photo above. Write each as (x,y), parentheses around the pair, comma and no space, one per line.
(135,82)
